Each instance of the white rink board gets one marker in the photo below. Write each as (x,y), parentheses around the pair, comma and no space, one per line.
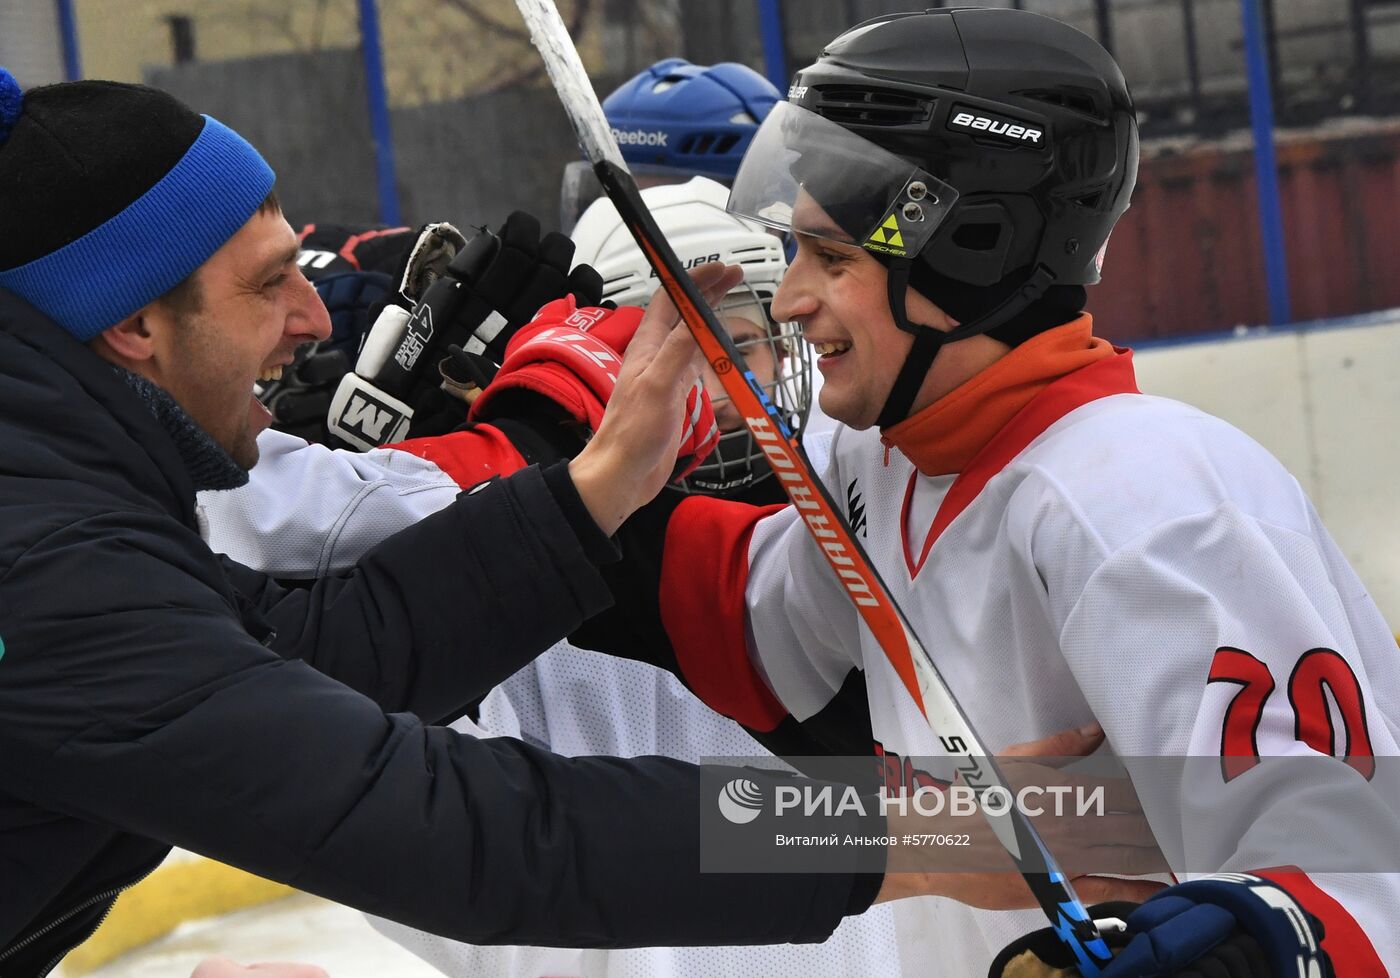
(1325,399)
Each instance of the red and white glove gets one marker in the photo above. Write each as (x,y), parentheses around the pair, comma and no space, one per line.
(572,356)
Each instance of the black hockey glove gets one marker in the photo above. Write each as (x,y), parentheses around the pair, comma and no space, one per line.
(1228,926)
(444,330)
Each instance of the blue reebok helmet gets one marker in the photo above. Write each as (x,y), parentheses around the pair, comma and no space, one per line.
(689,117)
(673,121)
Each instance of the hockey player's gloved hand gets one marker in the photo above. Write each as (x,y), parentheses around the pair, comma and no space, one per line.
(398,353)
(569,356)
(1228,926)
(447,324)
(1041,953)
(528,273)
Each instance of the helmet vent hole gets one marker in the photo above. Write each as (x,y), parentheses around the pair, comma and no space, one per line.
(617,283)
(708,142)
(1091,201)
(977,237)
(873,107)
(1080,102)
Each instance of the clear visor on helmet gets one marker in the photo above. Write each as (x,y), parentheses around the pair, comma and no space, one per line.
(807,174)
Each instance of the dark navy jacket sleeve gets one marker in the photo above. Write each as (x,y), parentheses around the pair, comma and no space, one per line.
(134,697)
(438,614)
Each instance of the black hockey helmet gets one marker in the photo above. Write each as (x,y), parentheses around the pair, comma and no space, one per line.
(1018,130)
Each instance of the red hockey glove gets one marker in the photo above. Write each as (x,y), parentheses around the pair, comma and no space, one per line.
(571,356)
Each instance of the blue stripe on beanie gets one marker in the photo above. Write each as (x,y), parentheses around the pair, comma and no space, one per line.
(11,102)
(155,243)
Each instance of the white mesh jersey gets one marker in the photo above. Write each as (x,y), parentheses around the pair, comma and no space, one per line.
(1102,573)
(308,510)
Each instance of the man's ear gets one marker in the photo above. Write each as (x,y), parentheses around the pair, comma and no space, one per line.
(922,310)
(129,341)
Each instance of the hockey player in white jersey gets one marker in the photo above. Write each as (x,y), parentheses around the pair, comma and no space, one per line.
(308,509)
(1069,549)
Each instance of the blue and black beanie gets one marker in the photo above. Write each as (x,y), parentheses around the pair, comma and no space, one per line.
(112,195)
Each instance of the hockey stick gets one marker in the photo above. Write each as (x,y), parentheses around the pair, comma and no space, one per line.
(833,535)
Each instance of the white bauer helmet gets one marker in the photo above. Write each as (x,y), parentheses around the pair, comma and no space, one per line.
(693,218)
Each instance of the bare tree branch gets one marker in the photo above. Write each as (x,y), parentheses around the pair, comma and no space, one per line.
(532,69)
(477,16)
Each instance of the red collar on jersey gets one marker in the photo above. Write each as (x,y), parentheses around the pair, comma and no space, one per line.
(1109,373)
(945,436)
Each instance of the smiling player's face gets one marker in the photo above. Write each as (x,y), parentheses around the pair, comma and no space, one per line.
(836,291)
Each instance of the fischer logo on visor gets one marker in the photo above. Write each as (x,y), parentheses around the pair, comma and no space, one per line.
(888,238)
(972,120)
(911,219)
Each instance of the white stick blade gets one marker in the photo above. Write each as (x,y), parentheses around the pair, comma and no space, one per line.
(561,60)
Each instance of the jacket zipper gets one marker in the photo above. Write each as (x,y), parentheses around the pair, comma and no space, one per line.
(91,901)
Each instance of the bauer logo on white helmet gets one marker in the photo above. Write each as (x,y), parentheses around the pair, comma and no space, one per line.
(693,261)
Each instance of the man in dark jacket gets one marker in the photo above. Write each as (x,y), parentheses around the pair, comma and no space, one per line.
(152,693)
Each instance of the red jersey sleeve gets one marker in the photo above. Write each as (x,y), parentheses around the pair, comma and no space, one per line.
(704,572)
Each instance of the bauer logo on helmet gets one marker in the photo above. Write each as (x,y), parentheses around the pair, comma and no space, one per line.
(694,261)
(1017,132)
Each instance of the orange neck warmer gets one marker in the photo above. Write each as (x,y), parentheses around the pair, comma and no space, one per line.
(943,437)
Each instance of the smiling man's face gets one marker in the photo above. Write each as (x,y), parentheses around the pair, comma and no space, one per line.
(248,310)
(837,292)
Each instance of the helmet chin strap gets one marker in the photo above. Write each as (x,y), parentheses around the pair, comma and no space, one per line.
(928,340)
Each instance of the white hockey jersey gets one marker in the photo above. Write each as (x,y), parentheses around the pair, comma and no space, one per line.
(1106,557)
(308,510)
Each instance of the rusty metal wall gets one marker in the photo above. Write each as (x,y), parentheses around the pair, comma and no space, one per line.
(1187,258)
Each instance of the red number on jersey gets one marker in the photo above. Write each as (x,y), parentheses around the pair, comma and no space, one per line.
(1239,746)
(1313,719)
